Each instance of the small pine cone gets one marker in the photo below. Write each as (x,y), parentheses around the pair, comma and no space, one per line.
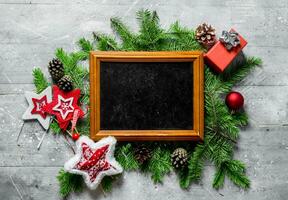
(205,35)
(142,154)
(65,83)
(179,158)
(56,69)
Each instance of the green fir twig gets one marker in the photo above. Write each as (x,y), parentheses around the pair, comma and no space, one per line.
(69,183)
(39,80)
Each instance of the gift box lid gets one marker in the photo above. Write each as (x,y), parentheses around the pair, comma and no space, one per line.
(218,57)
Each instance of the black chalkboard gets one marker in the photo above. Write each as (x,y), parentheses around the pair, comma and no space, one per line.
(146,95)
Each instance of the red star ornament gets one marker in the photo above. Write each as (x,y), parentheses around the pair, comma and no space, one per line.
(63,106)
(36,106)
(94,160)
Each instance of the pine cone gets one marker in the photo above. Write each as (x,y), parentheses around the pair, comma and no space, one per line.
(65,83)
(179,158)
(142,154)
(56,69)
(205,35)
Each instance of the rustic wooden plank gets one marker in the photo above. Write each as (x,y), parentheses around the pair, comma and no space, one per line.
(40,183)
(29,25)
(16,68)
(32,29)
(268,102)
(224,3)
(258,101)
(55,150)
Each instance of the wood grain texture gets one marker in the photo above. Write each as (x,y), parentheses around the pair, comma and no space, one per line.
(30,32)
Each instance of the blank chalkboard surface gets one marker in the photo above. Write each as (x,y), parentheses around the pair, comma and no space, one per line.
(146,96)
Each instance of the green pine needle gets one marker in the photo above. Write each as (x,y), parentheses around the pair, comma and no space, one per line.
(182,38)
(85,45)
(106,183)
(124,155)
(241,72)
(127,37)
(76,72)
(196,164)
(219,178)
(39,80)
(63,56)
(55,127)
(69,183)
(235,170)
(240,118)
(105,42)
(184,179)
(160,164)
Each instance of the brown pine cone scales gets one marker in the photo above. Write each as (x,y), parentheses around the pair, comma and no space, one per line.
(65,83)
(56,69)
(142,154)
(179,158)
(205,34)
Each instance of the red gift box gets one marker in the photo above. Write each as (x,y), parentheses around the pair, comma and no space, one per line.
(218,57)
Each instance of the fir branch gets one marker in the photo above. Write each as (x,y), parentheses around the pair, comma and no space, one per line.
(240,118)
(159,164)
(151,35)
(235,170)
(126,36)
(83,125)
(69,183)
(55,127)
(223,125)
(241,72)
(71,68)
(183,176)
(220,150)
(78,56)
(196,164)
(105,42)
(106,183)
(70,60)
(182,38)
(39,80)
(124,155)
(219,178)
(63,57)
(85,45)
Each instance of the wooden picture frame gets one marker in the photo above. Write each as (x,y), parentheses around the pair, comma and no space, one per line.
(196,59)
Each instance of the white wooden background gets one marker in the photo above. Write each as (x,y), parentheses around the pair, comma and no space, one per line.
(30,31)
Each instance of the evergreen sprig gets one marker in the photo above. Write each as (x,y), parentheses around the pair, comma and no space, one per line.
(159,165)
(106,183)
(124,155)
(69,183)
(55,127)
(40,81)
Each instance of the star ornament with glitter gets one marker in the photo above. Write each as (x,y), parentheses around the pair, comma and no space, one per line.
(94,160)
(63,106)
(37,102)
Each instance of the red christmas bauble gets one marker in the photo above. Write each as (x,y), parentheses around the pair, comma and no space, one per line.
(75,136)
(234,100)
